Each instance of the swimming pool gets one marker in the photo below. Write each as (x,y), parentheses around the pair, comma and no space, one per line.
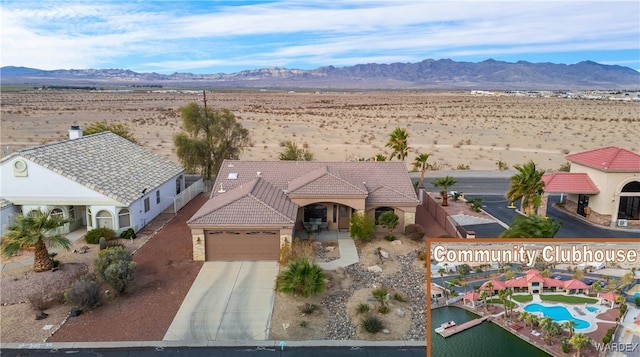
(557,313)
(592,309)
(636,295)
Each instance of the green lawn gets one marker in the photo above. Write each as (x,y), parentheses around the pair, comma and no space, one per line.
(568,299)
(522,298)
(510,304)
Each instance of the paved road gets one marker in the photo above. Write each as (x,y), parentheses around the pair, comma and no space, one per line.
(571,227)
(229,301)
(370,351)
(471,182)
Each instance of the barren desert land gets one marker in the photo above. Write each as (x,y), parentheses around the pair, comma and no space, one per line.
(457,129)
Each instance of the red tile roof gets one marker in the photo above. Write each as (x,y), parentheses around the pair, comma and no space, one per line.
(497,285)
(609,159)
(609,296)
(569,182)
(472,295)
(575,284)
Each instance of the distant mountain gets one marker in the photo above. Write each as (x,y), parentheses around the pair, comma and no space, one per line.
(428,74)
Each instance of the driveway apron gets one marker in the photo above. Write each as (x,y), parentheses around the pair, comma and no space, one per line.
(229,301)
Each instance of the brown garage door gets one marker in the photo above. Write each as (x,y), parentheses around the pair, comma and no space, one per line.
(242,245)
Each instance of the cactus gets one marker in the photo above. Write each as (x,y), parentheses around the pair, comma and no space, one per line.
(103,243)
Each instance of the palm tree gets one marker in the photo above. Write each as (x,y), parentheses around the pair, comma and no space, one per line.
(379,157)
(445,183)
(523,316)
(444,287)
(579,274)
(489,289)
(528,185)
(570,325)
(33,231)
(483,296)
(547,325)
(533,226)
(509,295)
(503,298)
(420,163)
(301,278)
(580,341)
(398,143)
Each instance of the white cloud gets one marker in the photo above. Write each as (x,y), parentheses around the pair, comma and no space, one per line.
(140,36)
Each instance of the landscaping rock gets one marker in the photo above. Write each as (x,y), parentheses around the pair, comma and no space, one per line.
(41,315)
(375,269)
(386,331)
(400,312)
(75,312)
(330,248)
(396,242)
(340,271)
(384,254)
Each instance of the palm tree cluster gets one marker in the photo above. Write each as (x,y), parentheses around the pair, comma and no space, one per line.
(398,144)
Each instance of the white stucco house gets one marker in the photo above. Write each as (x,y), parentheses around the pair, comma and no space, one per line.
(100,180)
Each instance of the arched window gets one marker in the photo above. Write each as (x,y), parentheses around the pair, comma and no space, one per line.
(104,219)
(381,210)
(629,207)
(57,212)
(124,218)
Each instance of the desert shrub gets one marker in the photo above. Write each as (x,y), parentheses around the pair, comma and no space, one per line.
(362,308)
(398,297)
(475,203)
(308,308)
(42,300)
(414,232)
(389,220)
(93,236)
(502,166)
(114,243)
(119,275)
(285,254)
(301,278)
(128,234)
(380,294)
(463,167)
(303,323)
(114,267)
(566,167)
(637,301)
(422,255)
(371,324)
(383,309)
(390,237)
(84,293)
(363,227)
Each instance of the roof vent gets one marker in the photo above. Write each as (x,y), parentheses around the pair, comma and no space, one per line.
(232,176)
(221,190)
(259,174)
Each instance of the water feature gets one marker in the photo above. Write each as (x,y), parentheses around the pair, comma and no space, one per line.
(593,309)
(557,313)
(486,339)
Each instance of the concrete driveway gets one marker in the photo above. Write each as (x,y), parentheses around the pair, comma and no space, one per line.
(229,301)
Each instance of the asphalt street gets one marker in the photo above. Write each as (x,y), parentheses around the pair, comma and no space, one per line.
(372,351)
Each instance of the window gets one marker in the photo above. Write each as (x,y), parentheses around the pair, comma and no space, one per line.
(72,213)
(147,206)
(381,210)
(104,219)
(124,218)
(158,197)
(57,212)
(335,213)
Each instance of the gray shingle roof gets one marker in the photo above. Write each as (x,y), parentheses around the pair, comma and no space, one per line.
(105,163)
(256,202)
(249,192)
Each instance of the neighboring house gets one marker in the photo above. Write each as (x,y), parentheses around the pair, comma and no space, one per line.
(100,180)
(257,206)
(603,186)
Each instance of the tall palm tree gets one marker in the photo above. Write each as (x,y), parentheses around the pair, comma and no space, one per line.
(509,294)
(503,299)
(444,287)
(527,184)
(547,325)
(570,325)
(580,341)
(33,231)
(445,183)
(489,289)
(420,163)
(398,143)
(483,296)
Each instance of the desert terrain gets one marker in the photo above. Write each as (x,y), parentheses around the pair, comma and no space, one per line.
(456,128)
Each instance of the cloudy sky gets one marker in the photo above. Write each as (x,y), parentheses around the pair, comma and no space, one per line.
(208,36)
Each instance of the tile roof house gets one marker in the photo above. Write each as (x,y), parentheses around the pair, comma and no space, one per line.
(255,206)
(603,186)
(100,180)
(534,283)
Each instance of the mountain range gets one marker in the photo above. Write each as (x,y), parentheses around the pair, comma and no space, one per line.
(428,74)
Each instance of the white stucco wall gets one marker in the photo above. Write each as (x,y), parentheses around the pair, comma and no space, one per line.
(42,186)
(609,184)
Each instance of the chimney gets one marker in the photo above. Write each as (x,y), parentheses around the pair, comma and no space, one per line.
(75,132)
